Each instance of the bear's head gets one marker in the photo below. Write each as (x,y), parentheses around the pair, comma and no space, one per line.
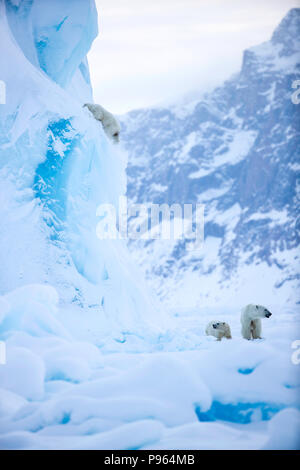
(223,327)
(115,136)
(112,129)
(259,311)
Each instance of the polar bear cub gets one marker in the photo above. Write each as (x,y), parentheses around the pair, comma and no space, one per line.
(218,329)
(110,124)
(251,320)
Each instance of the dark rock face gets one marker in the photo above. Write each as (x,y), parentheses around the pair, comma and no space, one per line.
(236,151)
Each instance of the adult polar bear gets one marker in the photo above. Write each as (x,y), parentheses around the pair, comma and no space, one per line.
(251,320)
(109,122)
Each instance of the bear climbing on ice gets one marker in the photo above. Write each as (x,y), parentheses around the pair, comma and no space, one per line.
(218,329)
(251,320)
(110,124)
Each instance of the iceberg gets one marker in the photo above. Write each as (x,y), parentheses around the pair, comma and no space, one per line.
(57,167)
(92,361)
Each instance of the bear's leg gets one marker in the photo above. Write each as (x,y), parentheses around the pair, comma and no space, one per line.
(246,330)
(252,327)
(256,331)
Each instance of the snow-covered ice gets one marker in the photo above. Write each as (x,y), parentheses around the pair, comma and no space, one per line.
(186,391)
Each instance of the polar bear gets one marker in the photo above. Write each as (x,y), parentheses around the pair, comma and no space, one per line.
(218,329)
(251,320)
(110,124)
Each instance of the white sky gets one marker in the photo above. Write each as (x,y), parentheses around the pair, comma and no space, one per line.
(150,52)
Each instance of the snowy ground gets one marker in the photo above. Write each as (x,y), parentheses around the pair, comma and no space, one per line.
(180,390)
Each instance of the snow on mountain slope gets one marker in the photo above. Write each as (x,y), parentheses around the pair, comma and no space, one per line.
(236,151)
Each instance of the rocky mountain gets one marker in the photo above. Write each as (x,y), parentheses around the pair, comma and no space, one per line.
(236,151)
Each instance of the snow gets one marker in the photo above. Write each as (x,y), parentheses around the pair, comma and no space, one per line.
(230,217)
(276,217)
(202,436)
(211,287)
(284,431)
(24,375)
(270,54)
(188,389)
(182,155)
(158,187)
(214,193)
(238,148)
(93,361)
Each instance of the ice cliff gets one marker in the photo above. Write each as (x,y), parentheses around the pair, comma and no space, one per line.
(57,167)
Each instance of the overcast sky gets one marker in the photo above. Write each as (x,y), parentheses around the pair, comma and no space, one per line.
(151,52)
